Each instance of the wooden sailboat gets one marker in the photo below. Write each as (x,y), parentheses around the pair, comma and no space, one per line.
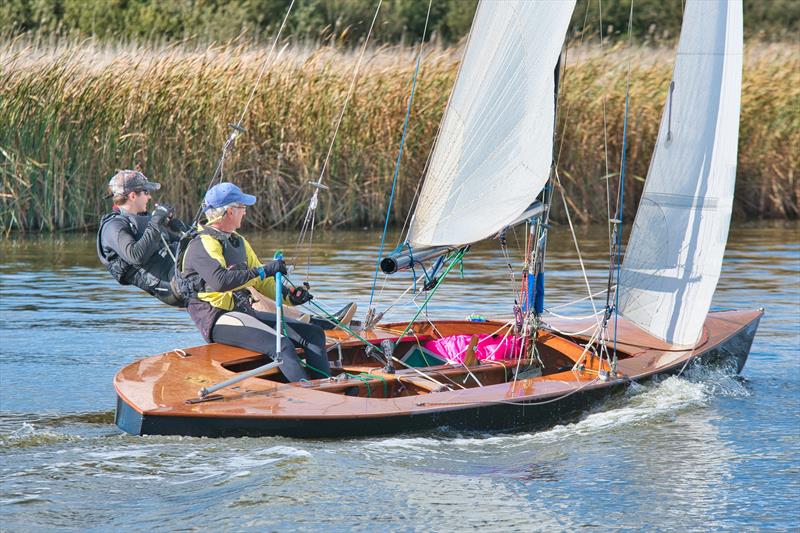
(492,159)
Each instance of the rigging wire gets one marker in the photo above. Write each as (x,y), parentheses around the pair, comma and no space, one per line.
(409,216)
(237,128)
(577,247)
(607,175)
(400,153)
(535,256)
(401,239)
(308,221)
(562,91)
(573,317)
(560,96)
(621,197)
(441,122)
(573,302)
(457,257)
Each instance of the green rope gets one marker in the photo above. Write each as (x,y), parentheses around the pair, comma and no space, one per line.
(317,370)
(458,257)
(363,380)
(385,384)
(344,327)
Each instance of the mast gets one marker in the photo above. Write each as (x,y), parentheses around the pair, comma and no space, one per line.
(540,229)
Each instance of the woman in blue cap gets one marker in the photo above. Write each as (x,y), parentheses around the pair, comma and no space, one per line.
(222,265)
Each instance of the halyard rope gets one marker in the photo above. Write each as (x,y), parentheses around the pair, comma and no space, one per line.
(400,154)
(237,128)
(308,221)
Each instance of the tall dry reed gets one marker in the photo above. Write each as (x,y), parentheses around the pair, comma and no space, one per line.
(71,115)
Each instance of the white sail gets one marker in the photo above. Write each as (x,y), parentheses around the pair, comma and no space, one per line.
(494,150)
(674,255)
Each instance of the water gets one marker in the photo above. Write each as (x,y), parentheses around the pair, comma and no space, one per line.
(704,451)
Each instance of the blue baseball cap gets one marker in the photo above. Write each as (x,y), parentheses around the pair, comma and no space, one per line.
(226,193)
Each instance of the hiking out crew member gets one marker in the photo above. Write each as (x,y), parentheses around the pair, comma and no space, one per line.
(223,265)
(129,240)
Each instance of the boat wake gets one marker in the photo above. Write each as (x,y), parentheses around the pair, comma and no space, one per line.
(641,404)
(27,435)
(21,430)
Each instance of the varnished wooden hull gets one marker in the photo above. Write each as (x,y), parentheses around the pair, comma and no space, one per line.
(481,417)
(151,393)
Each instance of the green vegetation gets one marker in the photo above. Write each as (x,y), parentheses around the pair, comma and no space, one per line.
(70,116)
(343,21)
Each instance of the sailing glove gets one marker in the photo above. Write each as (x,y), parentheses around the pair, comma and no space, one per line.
(177,225)
(299,295)
(271,268)
(161,214)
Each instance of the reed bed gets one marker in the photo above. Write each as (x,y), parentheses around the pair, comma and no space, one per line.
(71,115)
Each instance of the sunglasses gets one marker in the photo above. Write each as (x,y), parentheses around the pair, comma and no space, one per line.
(145,192)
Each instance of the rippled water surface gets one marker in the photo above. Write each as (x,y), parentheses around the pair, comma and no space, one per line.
(704,451)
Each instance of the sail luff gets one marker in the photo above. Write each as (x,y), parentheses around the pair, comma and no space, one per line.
(494,150)
(444,116)
(674,255)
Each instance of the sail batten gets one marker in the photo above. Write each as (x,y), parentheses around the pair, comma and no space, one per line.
(674,255)
(494,150)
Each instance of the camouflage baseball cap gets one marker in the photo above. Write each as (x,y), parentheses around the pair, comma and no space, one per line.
(126,181)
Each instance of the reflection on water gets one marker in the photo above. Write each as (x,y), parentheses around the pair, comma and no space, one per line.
(704,451)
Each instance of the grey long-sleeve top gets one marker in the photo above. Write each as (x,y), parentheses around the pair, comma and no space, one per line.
(118,237)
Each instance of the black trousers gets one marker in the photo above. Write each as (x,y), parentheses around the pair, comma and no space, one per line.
(256,331)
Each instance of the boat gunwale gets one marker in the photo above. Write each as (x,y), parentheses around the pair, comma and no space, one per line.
(448,403)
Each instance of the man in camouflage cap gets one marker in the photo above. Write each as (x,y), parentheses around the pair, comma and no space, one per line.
(138,248)
(127,181)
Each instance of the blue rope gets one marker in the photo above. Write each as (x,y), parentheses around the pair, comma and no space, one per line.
(436,267)
(621,210)
(397,163)
(413,270)
(622,182)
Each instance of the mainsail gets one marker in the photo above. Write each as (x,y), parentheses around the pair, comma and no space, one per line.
(674,255)
(494,150)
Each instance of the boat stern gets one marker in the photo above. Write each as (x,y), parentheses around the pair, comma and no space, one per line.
(127,418)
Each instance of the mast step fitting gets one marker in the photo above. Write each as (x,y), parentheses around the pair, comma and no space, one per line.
(430,284)
(388,351)
(372,318)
